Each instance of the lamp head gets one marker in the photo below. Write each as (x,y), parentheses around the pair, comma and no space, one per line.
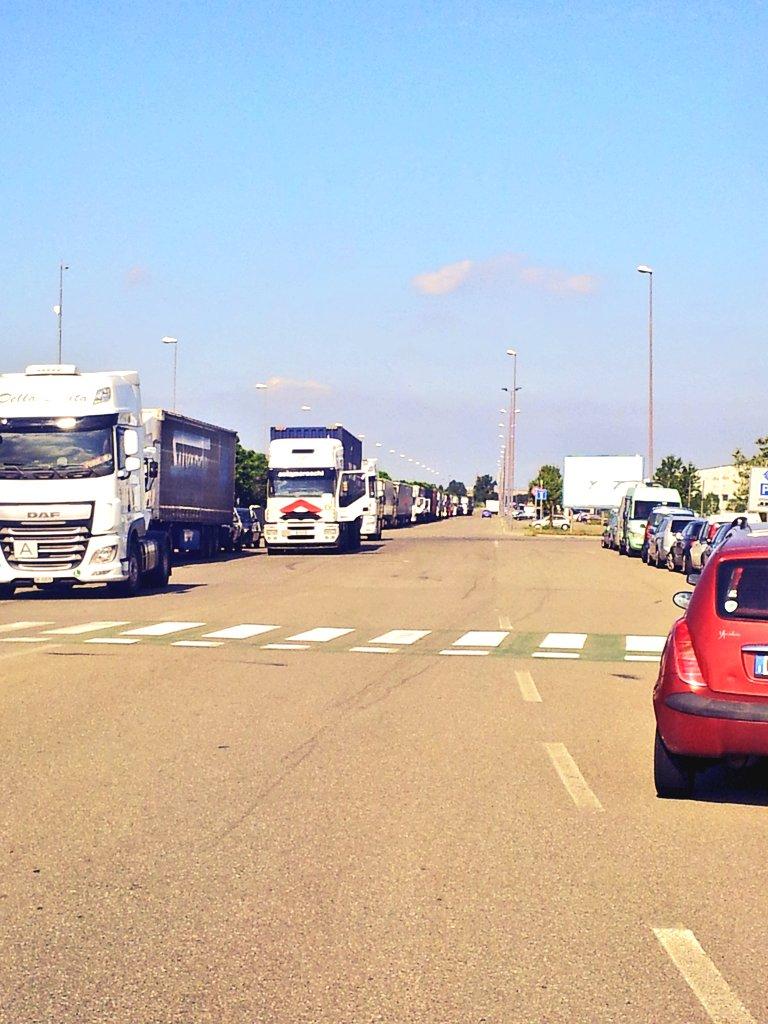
(642,269)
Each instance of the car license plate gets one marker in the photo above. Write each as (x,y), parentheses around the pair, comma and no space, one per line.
(761,665)
(23,550)
(43,579)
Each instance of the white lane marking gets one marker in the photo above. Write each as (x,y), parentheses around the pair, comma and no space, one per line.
(23,639)
(162,628)
(571,777)
(646,644)
(702,977)
(642,657)
(285,647)
(481,638)
(527,686)
(373,650)
(10,626)
(505,622)
(321,635)
(195,643)
(573,655)
(113,640)
(241,632)
(401,636)
(467,654)
(566,641)
(85,627)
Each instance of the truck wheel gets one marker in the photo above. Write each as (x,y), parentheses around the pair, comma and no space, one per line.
(158,577)
(673,774)
(7,591)
(132,585)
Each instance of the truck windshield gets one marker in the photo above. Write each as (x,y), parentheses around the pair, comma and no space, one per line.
(66,447)
(285,483)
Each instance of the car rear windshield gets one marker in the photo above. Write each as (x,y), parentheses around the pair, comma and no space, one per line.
(742,589)
(679,524)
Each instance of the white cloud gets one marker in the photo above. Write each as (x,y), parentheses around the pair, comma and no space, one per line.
(445,280)
(289,384)
(506,267)
(137,276)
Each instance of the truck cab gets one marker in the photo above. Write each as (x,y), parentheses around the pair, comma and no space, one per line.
(317,489)
(73,505)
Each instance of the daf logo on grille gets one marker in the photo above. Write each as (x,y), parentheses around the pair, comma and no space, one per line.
(43,515)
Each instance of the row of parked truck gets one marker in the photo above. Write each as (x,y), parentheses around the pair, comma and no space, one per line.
(94,488)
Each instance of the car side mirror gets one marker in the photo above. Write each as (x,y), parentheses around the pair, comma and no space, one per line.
(693,578)
(682,599)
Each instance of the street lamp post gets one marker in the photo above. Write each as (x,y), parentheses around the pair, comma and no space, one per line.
(263,388)
(59,309)
(643,269)
(175,342)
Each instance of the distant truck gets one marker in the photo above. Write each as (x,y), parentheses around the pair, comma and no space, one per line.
(388,490)
(636,505)
(83,497)
(373,510)
(492,505)
(404,511)
(317,491)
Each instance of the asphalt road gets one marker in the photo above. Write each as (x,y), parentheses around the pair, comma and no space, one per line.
(456,823)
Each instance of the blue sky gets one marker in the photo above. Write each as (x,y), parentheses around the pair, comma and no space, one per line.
(281,186)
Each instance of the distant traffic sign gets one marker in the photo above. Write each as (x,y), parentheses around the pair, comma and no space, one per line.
(541,493)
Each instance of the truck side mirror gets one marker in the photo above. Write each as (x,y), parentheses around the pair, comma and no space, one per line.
(130,443)
(132,463)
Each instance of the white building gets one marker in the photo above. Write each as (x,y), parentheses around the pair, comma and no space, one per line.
(720,480)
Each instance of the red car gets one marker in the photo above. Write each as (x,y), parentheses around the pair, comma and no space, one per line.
(711,696)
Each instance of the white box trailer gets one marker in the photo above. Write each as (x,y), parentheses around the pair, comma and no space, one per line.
(599,481)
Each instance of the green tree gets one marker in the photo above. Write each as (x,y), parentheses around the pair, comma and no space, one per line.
(485,488)
(458,488)
(551,479)
(744,464)
(669,471)
(682,477)
(250,476)
(384,475)
(710,504)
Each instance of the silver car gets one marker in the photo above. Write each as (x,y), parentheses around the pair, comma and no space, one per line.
(662,539)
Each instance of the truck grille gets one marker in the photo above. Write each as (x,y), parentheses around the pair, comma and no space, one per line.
(57,545)
(297,530)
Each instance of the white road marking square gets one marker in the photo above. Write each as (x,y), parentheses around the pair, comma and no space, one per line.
(401,636)
(285,647)
(10,626)
(565,655)
(642,657)
(321,635)
(162,628)
(85,627)
(467,654)
(195,643)
(482,638)
(646,644)
(373,650)
(22,639)
(113,640)
(565,641)
(241,632)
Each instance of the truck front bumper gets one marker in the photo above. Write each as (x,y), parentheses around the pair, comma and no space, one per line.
(301,532)
(101,563)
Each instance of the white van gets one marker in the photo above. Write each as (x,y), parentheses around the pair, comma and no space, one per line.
(636,505)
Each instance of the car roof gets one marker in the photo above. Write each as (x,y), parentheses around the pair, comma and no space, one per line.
(745,544)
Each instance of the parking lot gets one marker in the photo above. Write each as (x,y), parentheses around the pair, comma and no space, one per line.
(413,783)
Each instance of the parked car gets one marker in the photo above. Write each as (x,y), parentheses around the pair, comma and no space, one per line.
(679,556)
(702,542)
(662,537)
(655,516)
(486,514)
(557,523)
(609,533)
(711,695)
(525,514)
(248,536)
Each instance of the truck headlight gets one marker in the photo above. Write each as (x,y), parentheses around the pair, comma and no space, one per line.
(106,554)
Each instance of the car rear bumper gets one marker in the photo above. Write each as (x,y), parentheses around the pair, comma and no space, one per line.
(707,726)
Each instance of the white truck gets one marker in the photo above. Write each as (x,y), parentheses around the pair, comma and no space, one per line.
(317,489)
(72,482)
(373,510)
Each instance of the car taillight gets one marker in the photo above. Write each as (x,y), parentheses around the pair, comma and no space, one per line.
(686,662)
